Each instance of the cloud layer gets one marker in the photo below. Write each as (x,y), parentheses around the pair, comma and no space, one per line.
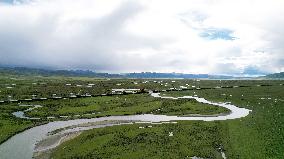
(190,36)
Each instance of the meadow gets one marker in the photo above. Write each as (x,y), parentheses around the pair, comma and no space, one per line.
(26,90)
(151,141)
(258,135)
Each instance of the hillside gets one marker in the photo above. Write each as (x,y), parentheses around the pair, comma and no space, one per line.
(46,72)
(88,73)
(276,75)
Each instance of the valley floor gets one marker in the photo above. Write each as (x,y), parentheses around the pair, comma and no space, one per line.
(258,135)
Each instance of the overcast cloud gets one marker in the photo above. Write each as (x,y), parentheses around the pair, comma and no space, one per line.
(189,36)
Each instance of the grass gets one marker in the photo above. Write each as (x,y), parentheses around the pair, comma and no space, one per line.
(259,135)
(128,141)
(123,105)
(100,106)
(24,87)
(10,125)
(9,128)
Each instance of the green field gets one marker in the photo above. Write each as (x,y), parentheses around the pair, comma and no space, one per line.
(259,135)
(122,105)
(25,87)
(128,141)
(10,125)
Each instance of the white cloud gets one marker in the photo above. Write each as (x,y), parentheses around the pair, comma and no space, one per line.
(144,35)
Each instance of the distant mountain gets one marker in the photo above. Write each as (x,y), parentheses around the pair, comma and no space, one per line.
(276,75)
(88,73)
(174,75)
(164,75)
(46,72)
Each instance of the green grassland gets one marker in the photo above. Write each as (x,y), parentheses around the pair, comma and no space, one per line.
(10,125)
(259,135)
(99,107)
(128,141)
(122,105)
(24,87)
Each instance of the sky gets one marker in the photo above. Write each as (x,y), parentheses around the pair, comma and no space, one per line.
(226,37)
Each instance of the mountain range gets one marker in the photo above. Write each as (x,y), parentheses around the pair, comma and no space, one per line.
(88,73)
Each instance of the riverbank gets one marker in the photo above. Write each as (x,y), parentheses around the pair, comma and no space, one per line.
(46,153)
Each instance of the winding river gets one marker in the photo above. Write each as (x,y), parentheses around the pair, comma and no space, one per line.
(22,145)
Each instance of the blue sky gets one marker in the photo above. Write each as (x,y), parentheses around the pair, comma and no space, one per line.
(229,37)
(7,1)
(216,33)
